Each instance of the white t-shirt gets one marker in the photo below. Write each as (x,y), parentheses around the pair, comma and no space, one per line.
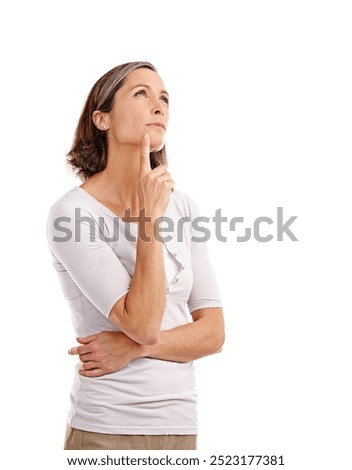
(94,254)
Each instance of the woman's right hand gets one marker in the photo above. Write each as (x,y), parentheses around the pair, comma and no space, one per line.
(105,352)
(155,186)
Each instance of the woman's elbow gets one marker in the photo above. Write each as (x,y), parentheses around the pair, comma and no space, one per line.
(147,338)
(146,335)
(143,334)
(219,343)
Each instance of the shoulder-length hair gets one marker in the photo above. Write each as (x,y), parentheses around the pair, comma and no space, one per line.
(89,151)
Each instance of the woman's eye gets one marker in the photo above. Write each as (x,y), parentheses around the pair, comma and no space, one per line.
(165,99)
(140,93)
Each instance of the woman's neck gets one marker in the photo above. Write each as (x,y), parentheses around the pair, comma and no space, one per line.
(117,184)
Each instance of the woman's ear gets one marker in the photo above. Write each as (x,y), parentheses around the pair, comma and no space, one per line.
(100,120)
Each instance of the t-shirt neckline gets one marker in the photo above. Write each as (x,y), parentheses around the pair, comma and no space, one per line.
(101,205)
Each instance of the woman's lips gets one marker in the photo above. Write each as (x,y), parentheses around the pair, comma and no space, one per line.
(157,124)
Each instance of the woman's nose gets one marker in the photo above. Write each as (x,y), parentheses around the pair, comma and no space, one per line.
(157,107)
(158,110)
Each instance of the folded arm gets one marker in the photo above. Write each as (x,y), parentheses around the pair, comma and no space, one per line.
(108,352)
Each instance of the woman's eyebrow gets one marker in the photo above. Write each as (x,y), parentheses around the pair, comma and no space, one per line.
(149,88)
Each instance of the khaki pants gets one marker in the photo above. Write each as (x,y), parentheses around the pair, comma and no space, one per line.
(76,439)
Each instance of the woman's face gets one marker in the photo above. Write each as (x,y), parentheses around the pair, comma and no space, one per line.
(141,106)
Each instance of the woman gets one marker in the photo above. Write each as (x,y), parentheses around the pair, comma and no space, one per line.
(144,306)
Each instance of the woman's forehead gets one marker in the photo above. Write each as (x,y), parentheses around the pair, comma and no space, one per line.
(143,76)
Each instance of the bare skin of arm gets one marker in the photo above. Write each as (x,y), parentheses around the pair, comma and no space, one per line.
(148,286)
(108,351)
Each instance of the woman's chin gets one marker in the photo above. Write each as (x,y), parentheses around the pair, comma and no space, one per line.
(156,144)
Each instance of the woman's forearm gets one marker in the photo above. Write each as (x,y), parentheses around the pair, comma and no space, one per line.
(140,312)
(191,341)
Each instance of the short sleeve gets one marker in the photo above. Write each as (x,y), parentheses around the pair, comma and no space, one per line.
(90,262)
(205,291)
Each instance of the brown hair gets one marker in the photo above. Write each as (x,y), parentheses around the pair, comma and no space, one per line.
(89,151)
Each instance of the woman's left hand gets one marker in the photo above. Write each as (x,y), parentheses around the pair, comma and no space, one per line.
(105,352)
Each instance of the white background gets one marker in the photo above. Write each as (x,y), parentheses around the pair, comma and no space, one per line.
(260,118)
